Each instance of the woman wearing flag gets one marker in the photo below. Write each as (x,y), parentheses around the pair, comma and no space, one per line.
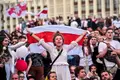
(61,67)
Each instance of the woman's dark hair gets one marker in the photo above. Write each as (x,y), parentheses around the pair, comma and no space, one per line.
(108,22)
(106,71)
(20,72)
(51,73)
(88,46)
(91,66)
(21,37)
(93,78)
(77,70)
(31,77)
(109,29)
(55,35)
(3,35)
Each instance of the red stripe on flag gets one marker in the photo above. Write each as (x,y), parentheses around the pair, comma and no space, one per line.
(11,11)
(44,11)
(48,36)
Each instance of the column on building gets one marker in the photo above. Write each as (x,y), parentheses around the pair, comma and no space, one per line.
(5,17)
(1,24)
(29,9)
(11,22)
(41,5)
(17,21)
(35,6)
(64,11)
(87,8)
(55,8)
(111,8)
(48,6)
(79,8)
(119,6)
(95,8)
(72,7)
(103,8)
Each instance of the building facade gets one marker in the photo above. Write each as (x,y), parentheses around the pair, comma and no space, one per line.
(64,8)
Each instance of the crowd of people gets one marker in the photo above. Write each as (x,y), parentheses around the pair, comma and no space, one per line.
(99,59)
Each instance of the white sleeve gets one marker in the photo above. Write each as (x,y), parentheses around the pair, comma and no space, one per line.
(72,45)
(45,45)
(102,46)
(19,44)
(118,45)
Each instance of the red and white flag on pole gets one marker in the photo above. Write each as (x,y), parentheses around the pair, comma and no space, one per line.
(17,11)
(46,32)
(43,14)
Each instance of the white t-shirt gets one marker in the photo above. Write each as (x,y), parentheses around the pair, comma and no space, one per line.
(116,23)
(102,46)
(74,24)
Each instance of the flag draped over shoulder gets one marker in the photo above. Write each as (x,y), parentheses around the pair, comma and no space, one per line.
(46,32)
(17,11)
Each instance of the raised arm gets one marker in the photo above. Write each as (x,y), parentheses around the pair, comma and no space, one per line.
(74,43)
(19,44)
(33,35)
(102,49)
(41,41)
(81,36)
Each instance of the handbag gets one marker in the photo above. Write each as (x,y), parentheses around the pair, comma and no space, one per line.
(50,67)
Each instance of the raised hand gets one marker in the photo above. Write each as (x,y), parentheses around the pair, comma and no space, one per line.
(27,29)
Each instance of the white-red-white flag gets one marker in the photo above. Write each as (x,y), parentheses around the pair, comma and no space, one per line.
(17,11)
(46,32)
(43,14)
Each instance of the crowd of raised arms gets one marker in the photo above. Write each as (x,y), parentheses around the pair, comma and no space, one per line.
(98,60)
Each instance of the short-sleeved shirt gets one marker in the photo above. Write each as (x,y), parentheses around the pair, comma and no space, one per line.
(36,59)
(115,44)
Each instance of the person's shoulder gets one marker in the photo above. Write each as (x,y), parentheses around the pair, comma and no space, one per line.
(102,43)
(76,79)
(115,41)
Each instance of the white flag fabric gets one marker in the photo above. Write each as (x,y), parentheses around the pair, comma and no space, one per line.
(43,14)
(47,32)
(17,11)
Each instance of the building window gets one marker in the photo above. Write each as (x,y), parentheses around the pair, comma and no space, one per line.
(8,26)
(91,6)
(99,4)
(2,27)
(32,16)
(26,17)
(14,26)
(8,18)
(90,1)
(116,5)
(32,9)
(75,0)
(83,7)
(75,8)
(107,5)
(83,0)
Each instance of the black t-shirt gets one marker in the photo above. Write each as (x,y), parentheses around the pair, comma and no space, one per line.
(36,59)
(117,75)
